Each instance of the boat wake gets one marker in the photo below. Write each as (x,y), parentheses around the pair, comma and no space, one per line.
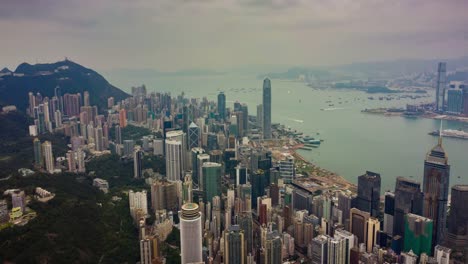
(332,108)
(296,120)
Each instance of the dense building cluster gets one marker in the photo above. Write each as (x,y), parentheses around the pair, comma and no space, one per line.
(237,197)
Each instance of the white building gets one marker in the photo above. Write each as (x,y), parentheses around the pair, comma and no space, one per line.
(174,166)
(190,234)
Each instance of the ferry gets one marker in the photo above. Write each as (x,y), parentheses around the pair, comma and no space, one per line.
(451,133)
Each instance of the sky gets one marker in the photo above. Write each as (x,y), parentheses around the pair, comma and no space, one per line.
(171,35)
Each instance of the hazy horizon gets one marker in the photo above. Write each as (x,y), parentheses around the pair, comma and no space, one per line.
(174,35)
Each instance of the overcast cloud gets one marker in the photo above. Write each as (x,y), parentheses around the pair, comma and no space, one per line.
(172,35)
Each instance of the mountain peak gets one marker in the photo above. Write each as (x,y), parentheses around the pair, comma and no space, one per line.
(5,70)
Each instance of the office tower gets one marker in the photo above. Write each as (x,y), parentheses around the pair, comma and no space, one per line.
(48,156)
(435,188)
(234,246)
(245,118)
(368,198)
(98,139)
(164,196)
(128,147)
(190,234)
(194,163)
(146,251)
(211,180)
(273,247)
(465,100)
(138,200)
(457,235)
(187,189)
(350,242)
(118,134)
(389,213)
(245,223)
(455,101)
(373,227)
(222,105)
(408,199)
(358,224)
(440,86)
(201,159)
(123,118)
(287,169)
(320,250)
(258,181)
(38,159)
(260,115)
(180,136)
(173,160)
(266,109)
(442,254)
(137,163)
(418,234)
(18,199)
(344,205)
(193,136)
(336,251)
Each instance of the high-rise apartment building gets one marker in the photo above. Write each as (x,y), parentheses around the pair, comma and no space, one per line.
(48,156)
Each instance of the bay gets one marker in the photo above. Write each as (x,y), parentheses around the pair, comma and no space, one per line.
(353,141)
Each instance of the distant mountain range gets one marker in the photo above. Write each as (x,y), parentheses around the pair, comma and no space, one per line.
(379,69)
(43,78)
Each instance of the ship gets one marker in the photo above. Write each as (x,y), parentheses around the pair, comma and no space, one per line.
(450,133)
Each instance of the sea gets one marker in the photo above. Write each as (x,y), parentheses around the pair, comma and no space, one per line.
(354,142)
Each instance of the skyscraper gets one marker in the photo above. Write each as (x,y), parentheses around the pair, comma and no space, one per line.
(49,157)
(358,224)
(457,235)
(245,222)
(440,86)
(211,180)
(38,159)
(137,163)
(173,160)
(122,118)
(408,199)
(222,105)
(193,136)
(98,139)
(435,188)
(118,134)
(266,108)
(190,234)
(273,247)
(418,234)
(234,246)
(336,251)
(368,198)
(389,213)
(320,249)
(373,227)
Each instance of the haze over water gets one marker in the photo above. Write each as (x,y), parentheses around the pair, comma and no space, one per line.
(354,141)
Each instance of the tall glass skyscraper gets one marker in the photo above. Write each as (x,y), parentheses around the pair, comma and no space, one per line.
(222,105)
(211,180)
(266,108)
(440,86)
(435,189)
